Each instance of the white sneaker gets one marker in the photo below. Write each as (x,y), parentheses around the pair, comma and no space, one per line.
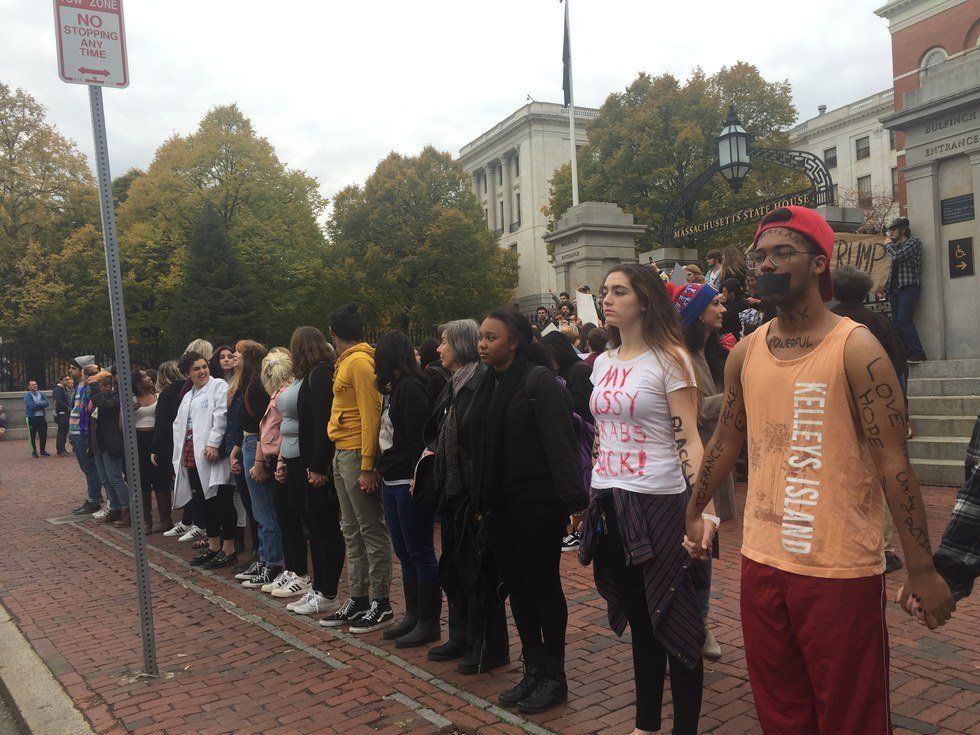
(193,534)
(100,514)
(296,586)
(285,576)
(313,603)
(179,530)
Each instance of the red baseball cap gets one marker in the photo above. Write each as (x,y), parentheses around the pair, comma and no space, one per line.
(808,222)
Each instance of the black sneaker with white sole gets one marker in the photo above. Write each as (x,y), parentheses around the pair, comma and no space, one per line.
(379,616)
(264,577)
(253,570)
(571,542)
(352,611)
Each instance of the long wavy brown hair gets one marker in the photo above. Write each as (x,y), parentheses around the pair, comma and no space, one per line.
(309,348)
(248,368)
(661,324)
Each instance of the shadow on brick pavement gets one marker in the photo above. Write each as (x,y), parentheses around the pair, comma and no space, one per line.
(235,661)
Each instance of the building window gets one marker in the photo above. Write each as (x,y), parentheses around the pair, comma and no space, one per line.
(501,213)
(517,208)
(935,55)
(864,191)
(895,183)
(517,165)
(892,139)
(486,214)
(830,157)
(862,148)
(486,189)
(500,175)
(836,200)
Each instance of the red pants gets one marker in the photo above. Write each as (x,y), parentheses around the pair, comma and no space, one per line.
(817,652)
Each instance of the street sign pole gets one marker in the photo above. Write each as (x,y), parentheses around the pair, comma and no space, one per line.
(91,38)
(123,375)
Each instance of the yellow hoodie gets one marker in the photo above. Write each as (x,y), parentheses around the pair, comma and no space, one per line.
(355,419)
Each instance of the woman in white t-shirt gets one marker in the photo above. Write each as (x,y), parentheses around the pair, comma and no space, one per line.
(645,405)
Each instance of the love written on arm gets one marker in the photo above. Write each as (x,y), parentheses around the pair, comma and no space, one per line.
(882,416)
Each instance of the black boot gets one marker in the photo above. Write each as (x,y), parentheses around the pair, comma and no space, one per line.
(532,675)
(428,628)
(456,646)
(552,688)
(239,540)
(407,623)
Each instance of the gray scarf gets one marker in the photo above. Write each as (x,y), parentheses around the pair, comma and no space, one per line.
(447,469)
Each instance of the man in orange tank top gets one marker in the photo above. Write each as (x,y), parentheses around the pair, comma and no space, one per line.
(820,403)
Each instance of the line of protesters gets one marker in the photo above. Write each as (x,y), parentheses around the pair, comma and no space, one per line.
(337,451)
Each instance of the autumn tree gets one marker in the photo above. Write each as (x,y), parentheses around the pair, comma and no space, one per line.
(41,172)
(47,193)
(268,211)
(412,248)
(652,139)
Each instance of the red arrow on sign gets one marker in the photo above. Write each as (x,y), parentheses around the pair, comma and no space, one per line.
(97,72)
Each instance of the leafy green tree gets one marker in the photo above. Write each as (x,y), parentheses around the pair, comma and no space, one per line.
(269,211)
(652,139)
(214,297)
(121,184)
(411,247)
(46,193)
(41,172)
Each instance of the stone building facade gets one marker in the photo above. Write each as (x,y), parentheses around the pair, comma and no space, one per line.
(860,153)
(511,166)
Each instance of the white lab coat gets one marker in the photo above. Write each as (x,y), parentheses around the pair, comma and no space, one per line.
(209,418)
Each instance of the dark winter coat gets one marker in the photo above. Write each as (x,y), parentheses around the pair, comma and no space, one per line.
(408,408)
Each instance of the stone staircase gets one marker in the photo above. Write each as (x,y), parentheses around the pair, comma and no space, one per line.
(944,399)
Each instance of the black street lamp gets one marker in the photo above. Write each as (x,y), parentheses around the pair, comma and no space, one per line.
(734,148)
(733,151)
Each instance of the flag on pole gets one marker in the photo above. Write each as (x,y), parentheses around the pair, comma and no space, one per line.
(566,59)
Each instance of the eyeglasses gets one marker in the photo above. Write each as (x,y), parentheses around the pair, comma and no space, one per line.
(778,257)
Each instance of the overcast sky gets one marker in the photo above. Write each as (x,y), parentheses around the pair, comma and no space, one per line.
(337,85)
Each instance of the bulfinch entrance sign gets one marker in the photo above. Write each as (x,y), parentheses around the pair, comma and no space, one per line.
(91,42)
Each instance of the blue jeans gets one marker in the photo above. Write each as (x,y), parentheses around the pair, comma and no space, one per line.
(112,471)
(704,596)
(263,500)
(86,463)
(411,531)
(903,303)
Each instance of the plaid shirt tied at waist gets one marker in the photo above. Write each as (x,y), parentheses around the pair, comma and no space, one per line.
(651,531)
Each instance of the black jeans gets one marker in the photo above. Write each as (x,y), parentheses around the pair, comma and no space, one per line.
(320,513)
(39,433)
(153,479)
(241,487)
(526,544)
(649,655)
(294,549)
(220,517)
(61,440)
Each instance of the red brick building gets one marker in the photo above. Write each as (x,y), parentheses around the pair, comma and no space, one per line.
(925,33)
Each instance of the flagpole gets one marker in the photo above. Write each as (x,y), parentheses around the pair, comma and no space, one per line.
(571,110)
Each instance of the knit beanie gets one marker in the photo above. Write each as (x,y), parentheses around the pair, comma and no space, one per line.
(83,361)
(691,301)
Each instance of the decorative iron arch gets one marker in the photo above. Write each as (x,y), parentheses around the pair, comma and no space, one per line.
(812,166)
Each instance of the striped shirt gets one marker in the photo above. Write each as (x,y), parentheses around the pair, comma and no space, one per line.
(78,418)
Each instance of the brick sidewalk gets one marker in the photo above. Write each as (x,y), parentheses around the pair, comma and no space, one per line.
(235,661)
